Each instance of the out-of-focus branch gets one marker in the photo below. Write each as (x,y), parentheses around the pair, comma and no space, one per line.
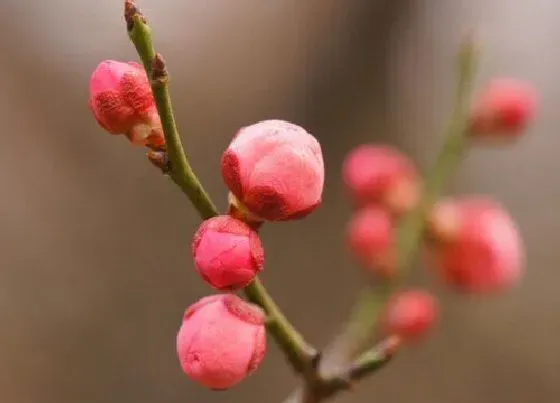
(410,232)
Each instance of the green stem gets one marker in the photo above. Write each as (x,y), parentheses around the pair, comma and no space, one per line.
(450,156)
(180,170)
(297,350)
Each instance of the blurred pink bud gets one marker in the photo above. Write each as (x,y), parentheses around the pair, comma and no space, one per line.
(221,341)
(122,102)
(381,175)
(410,314)
(227,253)
(370,237)
(477,246)
(275,169)
(503,109)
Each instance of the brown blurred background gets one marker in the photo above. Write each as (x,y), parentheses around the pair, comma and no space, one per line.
(96,267)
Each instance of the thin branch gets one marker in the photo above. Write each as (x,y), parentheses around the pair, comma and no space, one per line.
(180,170)
(448,160)
(299,353)
(366,364)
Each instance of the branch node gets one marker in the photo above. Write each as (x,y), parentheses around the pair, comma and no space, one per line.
(159,70)
(160,159)
(316,360)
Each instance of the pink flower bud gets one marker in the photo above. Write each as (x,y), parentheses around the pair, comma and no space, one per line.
(503,109)
(222,340)
(410,314)
(275,169)
(227,253)
(477,246)
(370,238)
(122,102)
(381,175)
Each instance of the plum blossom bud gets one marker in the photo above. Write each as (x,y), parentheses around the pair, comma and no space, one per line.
(503,109)
(409,314)
(476,245)
(377,174)
(227,253)
(122,102)
(222,340)
(370,238)
(275,169)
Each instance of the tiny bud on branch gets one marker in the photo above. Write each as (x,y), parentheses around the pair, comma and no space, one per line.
(160,160)
(159,70)
(131,13)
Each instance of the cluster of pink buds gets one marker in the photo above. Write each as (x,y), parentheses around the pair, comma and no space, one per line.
(274,171)
(472,242)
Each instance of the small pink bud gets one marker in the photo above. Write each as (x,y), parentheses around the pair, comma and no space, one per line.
(275,169)
(222,340)
(503,109)
(381,175)
(410,314)
(477,246)
(122,102)
(370,238)
(227,253)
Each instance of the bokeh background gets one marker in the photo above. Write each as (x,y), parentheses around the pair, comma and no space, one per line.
(95,244)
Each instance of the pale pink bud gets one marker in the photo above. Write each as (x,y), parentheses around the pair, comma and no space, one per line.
(476,245)
(381,175)
(122,102)
(275,169)
(227,253)
(370,238)
(221,341)
(410,314)
(503,109)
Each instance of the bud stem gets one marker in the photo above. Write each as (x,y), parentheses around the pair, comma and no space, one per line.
(299,353)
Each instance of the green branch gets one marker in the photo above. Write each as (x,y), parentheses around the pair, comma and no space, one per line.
(299,353)
(180,170)
(448,160)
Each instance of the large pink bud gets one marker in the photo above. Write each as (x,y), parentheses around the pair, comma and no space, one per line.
(227,253)
(122,102)
(476,245)
(275,170)
(222,340)
(377,174)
